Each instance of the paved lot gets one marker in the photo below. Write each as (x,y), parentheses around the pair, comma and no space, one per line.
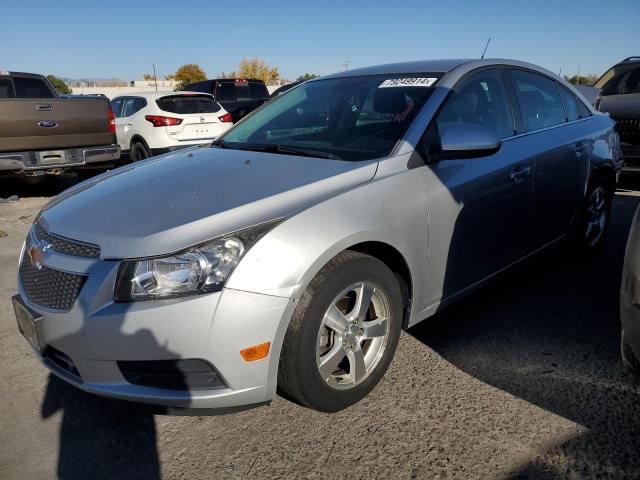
(522,379)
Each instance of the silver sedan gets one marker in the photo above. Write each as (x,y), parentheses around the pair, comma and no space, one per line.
(290,253)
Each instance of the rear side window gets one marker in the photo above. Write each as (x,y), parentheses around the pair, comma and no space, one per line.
(481,100)
(570,104)
(583,110)
(133,105)
(231,91)
(204,87)
(6,88)
(186,104)
(539,100)
(258,90)
(31,88)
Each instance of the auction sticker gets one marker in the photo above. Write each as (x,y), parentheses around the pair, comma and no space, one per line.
(408,82)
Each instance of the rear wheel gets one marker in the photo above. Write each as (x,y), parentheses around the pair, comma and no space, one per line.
(139,152)
(593,221)
(343,334)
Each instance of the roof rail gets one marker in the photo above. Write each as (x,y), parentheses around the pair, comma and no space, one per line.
(631,58)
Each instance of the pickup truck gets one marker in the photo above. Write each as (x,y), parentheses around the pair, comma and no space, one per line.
(42,133)
(239,96)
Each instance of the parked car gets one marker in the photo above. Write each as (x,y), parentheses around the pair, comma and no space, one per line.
(630,300)
(41,133)
(238,96)
(291,253)
(619,95)
(284,88)
(154,123)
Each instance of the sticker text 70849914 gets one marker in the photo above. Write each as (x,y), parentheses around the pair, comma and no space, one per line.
(407,82)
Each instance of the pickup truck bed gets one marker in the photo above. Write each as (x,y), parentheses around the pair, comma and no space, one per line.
(48,134)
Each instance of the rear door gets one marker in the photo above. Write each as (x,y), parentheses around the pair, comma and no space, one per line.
(561,149)
(32,118)
(479,208)
(199,114)
(130,118)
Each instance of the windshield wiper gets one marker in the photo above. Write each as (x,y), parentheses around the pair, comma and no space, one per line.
(287,150)
(221,143)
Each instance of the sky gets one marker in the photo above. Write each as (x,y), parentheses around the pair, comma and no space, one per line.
(121,39)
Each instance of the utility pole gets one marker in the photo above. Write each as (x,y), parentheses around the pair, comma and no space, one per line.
(485,48)
(155,79)
(578,76)
(346,64)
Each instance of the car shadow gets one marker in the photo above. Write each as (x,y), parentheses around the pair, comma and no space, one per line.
(47,186)
(549,332)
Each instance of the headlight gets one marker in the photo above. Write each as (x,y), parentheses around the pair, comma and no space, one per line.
(200,269)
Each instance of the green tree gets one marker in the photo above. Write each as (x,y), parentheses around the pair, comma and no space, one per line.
(589,79)
(61,87)
(257,69)
(188,73)
(307,76)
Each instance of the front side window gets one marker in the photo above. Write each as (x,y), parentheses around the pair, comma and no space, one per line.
(539,100)
(620,80)
(6,88)
(480,100)
(349,118)
(570,104)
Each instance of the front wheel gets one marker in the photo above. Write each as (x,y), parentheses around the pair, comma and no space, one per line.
(343,334)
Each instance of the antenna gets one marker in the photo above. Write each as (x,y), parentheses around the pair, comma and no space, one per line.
(578,76)
(346,64)
(485,48)
(155,79)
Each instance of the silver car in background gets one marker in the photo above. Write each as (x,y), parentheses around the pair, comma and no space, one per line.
(291,252)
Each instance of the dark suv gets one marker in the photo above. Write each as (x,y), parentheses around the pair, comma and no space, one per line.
(238,96)
(619,96)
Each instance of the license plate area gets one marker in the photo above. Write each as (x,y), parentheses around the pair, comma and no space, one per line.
(27,322)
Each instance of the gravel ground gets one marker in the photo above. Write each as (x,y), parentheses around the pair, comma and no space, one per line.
(521,379)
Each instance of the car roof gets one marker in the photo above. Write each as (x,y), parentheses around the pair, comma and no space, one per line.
(155,95)
(629,60)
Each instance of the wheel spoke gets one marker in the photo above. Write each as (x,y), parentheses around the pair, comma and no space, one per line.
(375,328)
(364,292)
(357,369)
(330,360)
(335,320)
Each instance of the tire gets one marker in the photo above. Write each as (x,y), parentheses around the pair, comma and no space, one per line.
(139,152)
(366,343)
(592,224)
(629,359)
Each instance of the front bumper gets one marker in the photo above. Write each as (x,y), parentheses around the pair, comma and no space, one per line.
(97,333)
(60,158)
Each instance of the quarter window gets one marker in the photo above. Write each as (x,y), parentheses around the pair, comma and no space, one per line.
(481,100)
(133,105)
(570,104)
(116,106)
(539,100)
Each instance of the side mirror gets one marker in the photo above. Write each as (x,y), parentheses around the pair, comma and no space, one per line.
(466,140)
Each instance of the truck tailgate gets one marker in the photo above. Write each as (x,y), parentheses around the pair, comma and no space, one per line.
(53,123)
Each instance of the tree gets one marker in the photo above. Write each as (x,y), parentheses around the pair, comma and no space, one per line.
(148,76)
(589,79)
(188,73)
(61,87)
(170,76)
(307,76)
(257,69)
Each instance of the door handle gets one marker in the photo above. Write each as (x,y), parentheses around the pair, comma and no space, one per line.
(519,174)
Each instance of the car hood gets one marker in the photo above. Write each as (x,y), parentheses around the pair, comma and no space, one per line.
(168,203)
(624,106)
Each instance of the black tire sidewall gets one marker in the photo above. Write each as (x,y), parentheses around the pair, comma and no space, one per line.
(579,233)
(317,392)
(139,146)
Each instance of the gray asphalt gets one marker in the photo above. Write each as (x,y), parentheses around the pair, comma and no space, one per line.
(520,380)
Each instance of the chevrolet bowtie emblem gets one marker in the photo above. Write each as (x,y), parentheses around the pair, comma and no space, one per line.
(36,255)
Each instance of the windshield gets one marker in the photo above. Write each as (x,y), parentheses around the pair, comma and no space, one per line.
(350,118)
(620,80)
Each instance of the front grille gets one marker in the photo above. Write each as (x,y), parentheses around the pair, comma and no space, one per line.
(66,246)
(629,129)
(50,288)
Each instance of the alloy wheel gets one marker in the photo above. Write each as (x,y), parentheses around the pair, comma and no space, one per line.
(596,215)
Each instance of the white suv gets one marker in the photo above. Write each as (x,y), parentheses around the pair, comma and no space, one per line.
(149,124)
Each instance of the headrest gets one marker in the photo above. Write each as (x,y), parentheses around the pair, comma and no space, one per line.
(389,100)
